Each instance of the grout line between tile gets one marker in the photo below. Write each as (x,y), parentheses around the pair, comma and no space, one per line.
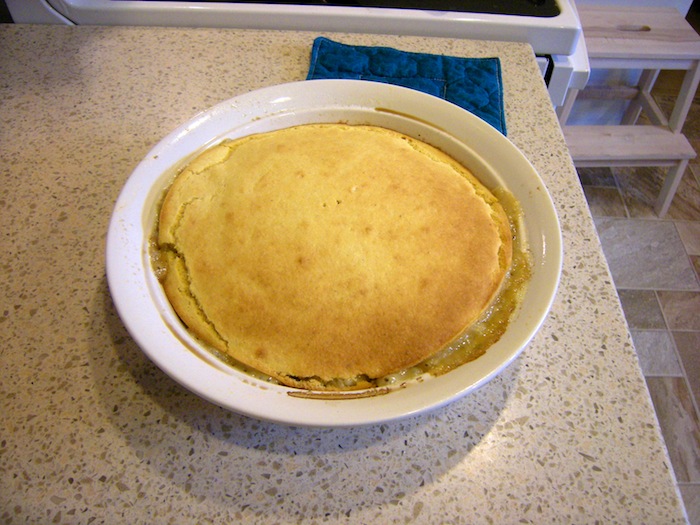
(620,194)
(684,373)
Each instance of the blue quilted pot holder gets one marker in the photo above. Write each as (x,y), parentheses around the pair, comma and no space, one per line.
(472,83)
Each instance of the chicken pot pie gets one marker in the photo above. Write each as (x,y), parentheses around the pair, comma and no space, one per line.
(329,255)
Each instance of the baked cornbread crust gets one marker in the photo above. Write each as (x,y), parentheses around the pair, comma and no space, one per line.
(330,255)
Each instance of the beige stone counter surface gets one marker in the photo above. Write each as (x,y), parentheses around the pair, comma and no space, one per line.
(92,432)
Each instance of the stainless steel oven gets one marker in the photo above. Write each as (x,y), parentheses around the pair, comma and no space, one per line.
(552,27)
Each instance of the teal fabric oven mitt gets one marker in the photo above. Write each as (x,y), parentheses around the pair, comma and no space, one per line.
(471,83)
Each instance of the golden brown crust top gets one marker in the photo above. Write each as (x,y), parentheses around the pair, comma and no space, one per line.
(330,254)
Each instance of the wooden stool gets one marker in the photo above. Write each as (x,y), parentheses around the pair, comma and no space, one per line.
(647,39)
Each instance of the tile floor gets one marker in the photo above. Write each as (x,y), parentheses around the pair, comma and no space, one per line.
(655,265)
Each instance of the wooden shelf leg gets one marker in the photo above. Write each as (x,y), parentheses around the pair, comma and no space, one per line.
(646,83)
(685,97)
(668,190)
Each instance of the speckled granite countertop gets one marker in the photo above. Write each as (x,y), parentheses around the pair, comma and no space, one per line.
(92,432)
